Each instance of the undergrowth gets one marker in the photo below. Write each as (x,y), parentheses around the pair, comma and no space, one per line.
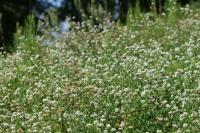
(143,77)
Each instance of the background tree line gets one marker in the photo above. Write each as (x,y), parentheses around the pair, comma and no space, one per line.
(13,11)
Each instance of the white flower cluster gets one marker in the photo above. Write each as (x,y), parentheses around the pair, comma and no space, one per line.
(143,77)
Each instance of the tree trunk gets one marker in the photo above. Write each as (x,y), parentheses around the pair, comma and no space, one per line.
(1,31)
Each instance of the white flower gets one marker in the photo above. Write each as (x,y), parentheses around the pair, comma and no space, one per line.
(108,126)
(113,129)
(143,93)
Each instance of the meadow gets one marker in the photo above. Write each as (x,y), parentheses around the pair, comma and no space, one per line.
(142,77)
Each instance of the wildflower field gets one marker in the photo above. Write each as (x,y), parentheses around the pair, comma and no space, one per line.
(143,77)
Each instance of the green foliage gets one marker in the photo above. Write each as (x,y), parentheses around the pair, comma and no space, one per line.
(172,11)
(25,37)
(143,77)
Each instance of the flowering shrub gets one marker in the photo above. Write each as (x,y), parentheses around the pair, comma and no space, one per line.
(143,77)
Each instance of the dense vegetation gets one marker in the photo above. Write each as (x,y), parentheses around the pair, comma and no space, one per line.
(16,11)
(143,77)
